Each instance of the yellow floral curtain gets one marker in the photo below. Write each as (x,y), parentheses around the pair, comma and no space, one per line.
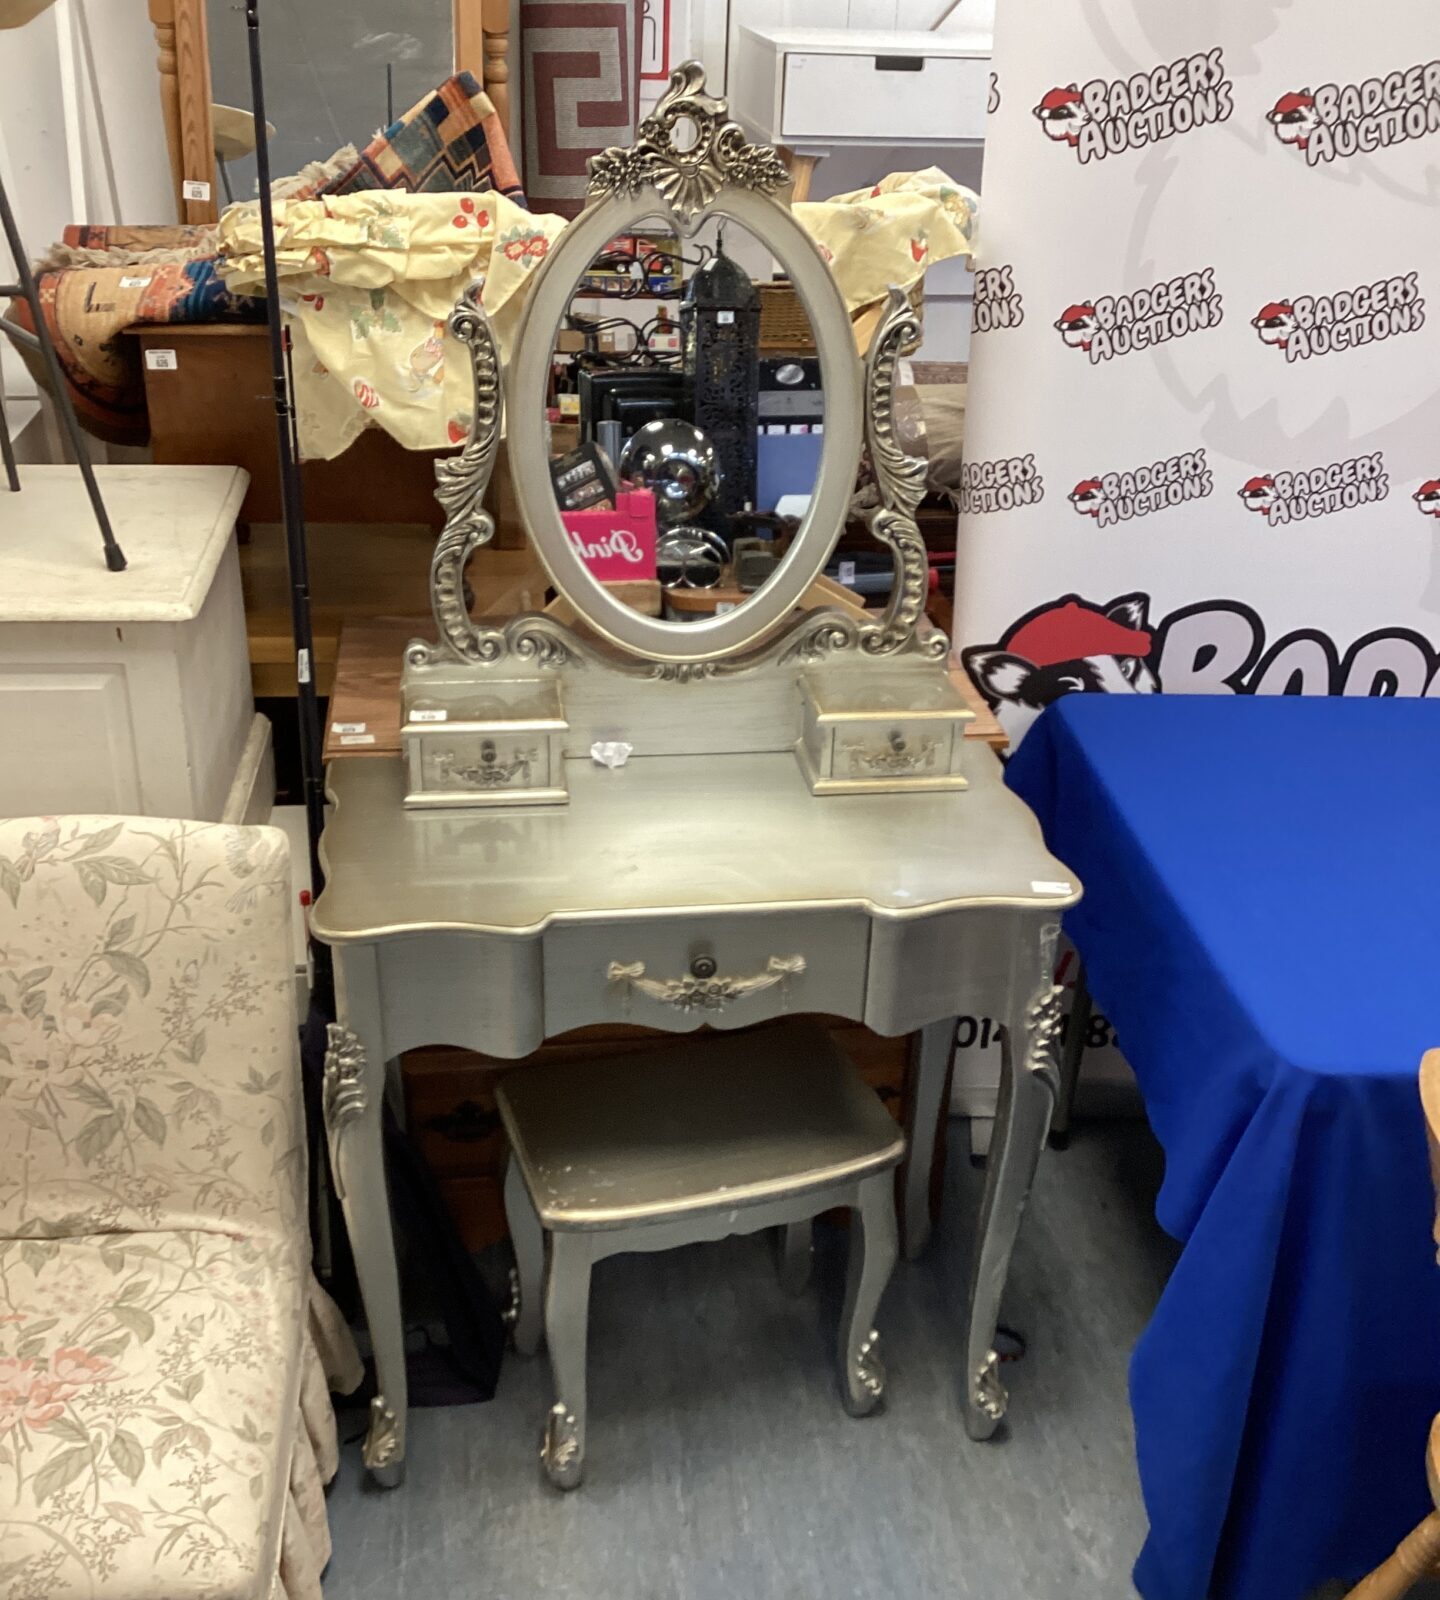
(367,281)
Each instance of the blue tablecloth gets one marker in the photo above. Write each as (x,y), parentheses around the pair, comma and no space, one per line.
(1261,923)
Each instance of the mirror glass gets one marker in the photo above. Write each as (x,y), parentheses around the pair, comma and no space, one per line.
(685,416)
(336,72)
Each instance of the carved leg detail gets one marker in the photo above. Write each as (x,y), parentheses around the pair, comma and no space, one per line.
(354,1090)
(1022,1119)
(932,1070)
(382,1445)
(567,1311)
(874,1249)
(528,1279)
(796,1255)
(1072,1053)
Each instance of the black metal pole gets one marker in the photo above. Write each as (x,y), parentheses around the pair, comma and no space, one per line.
(293,510)
(114,556)
(12,476)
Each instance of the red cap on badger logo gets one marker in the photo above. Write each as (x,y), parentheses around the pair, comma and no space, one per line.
(1058,99)
(1293,102)
(1275,308)
(1072,631)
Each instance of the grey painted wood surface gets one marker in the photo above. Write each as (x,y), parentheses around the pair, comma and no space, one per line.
(722,1466)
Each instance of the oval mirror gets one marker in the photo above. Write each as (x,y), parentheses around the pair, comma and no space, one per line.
(683,481)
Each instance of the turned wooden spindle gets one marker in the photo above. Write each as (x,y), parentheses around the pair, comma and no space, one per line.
(482,48)
(184,66)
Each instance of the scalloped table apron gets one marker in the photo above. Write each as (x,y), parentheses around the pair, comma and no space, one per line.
(1262,926)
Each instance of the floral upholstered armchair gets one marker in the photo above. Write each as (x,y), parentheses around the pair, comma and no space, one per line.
(165,1421)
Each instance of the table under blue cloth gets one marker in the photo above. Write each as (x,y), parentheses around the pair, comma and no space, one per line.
(1261,923)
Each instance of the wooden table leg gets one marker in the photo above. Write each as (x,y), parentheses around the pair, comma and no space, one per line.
(802,170)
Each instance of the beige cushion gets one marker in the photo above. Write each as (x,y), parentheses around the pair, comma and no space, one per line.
(145,1384)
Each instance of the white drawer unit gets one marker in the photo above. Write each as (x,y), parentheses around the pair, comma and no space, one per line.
(836,86)
(128,691)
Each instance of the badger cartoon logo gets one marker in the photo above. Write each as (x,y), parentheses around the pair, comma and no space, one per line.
(1077,325)
(1427,498)
(1275,323)
(1062,114)
(1294,118)
(1258,494)
(1067,647)
(1087,496)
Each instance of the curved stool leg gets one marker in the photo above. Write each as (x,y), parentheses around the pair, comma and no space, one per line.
(796,1255)
(874,1248)
(567,1310)
(528,1237)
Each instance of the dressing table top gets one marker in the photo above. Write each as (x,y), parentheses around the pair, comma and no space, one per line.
(694,834)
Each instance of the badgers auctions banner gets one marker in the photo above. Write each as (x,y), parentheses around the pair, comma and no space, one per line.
(1203,433)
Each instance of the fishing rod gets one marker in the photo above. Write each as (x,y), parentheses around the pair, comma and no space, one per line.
(293,512)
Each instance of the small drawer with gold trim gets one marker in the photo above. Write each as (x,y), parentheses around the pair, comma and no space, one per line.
(498,747)
(872,731)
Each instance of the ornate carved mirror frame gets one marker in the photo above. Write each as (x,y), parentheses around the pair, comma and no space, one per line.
(716,174)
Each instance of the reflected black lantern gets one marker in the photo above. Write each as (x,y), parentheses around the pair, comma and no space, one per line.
(720,319)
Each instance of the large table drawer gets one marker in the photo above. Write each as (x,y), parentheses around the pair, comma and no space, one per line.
(944,97)
(678,973)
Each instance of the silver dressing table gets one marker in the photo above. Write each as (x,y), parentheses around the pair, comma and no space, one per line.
(495,885)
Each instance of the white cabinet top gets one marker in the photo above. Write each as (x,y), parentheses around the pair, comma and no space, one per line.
(873,41)
(173,523)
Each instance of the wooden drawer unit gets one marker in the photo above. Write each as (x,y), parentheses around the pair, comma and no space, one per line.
(677,973)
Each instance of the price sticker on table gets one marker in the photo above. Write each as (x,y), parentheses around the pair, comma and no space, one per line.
(195,189)
(162,360)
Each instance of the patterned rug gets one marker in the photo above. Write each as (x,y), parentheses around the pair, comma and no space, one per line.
(581,66)
(451,140)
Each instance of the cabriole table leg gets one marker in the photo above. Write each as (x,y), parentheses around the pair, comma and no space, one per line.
(353,1098)
(1028,1085)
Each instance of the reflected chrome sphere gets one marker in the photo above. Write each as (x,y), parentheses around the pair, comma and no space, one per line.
(677,463)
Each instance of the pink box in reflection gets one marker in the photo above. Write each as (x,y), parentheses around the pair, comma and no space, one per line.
(618,546)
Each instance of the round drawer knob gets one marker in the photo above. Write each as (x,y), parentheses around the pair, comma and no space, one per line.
(703,967)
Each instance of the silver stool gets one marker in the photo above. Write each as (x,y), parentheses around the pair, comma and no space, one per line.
(722,1135)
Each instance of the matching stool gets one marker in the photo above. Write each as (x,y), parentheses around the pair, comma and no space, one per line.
(729,1133)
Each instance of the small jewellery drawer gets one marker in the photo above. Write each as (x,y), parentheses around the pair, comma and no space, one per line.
(678,973)
(897,749)
(498,748)
(884,731)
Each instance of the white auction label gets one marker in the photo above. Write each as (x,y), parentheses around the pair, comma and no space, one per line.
(134,283)
(348,727)
(357,738)
(428,716)
(161,360)
(1049,886)
(847,573)
(195,189)
(724,318)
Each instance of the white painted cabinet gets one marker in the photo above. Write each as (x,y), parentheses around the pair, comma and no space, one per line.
(127,691)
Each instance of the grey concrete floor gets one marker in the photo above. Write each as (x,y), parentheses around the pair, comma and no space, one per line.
(720,1463)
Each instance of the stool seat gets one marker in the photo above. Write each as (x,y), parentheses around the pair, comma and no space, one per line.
(653,1137)
(729,1133)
